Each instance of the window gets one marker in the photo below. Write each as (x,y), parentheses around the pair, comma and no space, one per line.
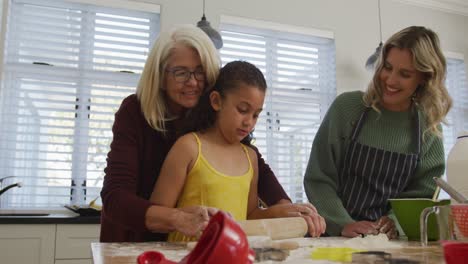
(67,66)
(458,116)
(299,66)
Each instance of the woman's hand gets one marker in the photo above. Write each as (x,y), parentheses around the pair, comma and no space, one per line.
(192,220)
(315,223)
(386,226)
(360,228)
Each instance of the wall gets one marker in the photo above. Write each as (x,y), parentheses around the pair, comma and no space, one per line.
(353,22)
(1,9)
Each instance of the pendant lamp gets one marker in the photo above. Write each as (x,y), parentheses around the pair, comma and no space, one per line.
(370,63)
(214,35)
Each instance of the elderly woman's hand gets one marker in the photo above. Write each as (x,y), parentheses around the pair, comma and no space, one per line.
(192,220)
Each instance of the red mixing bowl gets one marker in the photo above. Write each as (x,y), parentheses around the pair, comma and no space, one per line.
(222,241)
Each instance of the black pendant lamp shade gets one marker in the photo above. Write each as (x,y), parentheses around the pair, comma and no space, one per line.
(214,35)
(370,63)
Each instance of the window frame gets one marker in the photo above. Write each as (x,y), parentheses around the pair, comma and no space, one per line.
(272,118)
(79,191)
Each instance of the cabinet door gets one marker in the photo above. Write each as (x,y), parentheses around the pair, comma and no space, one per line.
(27,243)
(74,241)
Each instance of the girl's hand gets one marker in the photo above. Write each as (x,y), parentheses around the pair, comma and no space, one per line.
(315,222)
(192,220)
(360,228)
(386,226)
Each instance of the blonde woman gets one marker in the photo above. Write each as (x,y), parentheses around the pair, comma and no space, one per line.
(383,143)
(181,65)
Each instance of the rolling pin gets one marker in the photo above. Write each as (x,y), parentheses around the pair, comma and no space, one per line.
(275,228)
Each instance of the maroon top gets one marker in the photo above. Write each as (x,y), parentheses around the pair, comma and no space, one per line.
(133,164)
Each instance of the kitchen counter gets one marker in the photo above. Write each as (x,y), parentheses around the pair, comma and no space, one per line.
(122,253)
(54,217)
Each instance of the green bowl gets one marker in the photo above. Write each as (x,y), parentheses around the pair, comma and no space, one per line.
(408,211)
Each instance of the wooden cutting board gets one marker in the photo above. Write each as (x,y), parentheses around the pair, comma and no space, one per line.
(275,228)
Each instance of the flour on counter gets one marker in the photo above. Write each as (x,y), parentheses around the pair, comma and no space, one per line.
(308,245)
(371,242)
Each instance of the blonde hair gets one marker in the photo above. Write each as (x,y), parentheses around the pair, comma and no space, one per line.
(149,90)
(432,97)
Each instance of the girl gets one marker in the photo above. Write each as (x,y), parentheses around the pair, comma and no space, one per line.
(216,165)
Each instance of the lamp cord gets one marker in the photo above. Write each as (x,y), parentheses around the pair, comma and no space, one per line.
(204,7)
(380,20)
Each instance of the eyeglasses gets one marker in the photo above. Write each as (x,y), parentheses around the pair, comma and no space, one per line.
(183,75)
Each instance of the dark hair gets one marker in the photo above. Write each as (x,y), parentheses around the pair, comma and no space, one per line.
(233,75)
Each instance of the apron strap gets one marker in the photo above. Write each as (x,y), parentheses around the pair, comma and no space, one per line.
(417,129)
(359,124)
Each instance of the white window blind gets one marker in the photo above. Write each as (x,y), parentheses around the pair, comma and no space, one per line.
(67,68)
(300,73)
(458,116)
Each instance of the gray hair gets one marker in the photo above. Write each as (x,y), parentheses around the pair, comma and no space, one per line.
(149,90)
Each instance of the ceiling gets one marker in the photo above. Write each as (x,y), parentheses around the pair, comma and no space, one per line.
(459,7)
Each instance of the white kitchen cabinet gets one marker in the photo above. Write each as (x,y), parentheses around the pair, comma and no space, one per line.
(74,241)
(47,243)
(27,243)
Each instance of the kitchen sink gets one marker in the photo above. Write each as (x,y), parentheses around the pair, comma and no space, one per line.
(23,214)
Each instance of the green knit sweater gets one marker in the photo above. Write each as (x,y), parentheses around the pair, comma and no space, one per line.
(392,131)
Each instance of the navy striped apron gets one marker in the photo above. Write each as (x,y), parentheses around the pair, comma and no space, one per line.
(370,176)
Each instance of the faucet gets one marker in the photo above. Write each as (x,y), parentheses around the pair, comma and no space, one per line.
(3,179)
(2,190)
(18,184)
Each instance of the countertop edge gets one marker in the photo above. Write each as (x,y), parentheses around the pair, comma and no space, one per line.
(50,219)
